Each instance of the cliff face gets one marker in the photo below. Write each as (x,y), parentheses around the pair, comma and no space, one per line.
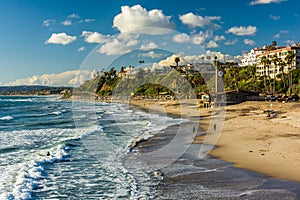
(32,90)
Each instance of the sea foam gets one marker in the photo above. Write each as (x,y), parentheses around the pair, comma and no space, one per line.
(24,177)
(6,118)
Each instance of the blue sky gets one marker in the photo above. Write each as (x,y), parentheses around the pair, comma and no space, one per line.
(56,36)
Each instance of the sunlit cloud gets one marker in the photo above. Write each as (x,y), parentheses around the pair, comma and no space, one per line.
(60,38)
(255,2)
(117,47)
(231,42)
(136,18)
(199,21)
(212,44)
(198,38)
(219,38)
(242,30)
(66,22)
(68,78)
(149,46)
(94,37)
(151,54)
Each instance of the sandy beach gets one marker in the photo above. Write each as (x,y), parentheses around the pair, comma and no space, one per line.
(249,139)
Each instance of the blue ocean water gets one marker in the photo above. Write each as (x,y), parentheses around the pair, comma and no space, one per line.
(53,149)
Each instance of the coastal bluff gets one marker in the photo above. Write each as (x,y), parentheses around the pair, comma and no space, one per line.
(33,90)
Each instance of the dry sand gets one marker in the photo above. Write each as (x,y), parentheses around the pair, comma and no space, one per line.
(249,139)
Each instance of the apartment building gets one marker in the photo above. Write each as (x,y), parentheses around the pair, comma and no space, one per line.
(271,69)
(250,58)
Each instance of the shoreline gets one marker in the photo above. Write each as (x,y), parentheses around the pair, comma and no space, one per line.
(249,139)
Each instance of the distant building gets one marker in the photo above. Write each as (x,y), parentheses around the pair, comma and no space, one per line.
(250,58)
(273,70)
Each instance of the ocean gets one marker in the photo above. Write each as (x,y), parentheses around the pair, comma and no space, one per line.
(54,149)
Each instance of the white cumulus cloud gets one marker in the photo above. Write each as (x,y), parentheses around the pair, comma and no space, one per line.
(198,38)
(199,21)
(149,46)
(182,38)
(60,38)
(170,61)
(94,37)
(68,78)
(255,2)
(67,22)
(151,54)
(219,38)
(201,37)
(208,56)
(117,47)
(249,42)
(136,18)
(212,44)
(231,42)
(242,30)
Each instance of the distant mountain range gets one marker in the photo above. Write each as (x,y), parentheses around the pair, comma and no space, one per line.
(32,90)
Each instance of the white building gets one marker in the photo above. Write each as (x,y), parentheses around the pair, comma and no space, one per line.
(272,69)
(250,58)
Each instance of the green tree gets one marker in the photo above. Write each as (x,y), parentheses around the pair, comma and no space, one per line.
(281,68)
(112,73)
(289,60)
(252,71)
(266,63)
(177,60)
(233,73)
(272,46)
(276,61)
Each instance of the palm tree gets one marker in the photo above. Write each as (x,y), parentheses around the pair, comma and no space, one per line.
(265,62)
(234,74)
(282,64)
(275,60)
(252,71)
(141,62)
(177,60)
(289,60)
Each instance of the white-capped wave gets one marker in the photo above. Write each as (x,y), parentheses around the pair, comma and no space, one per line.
(6,118)
(19,100)
(21,178)
(56,113)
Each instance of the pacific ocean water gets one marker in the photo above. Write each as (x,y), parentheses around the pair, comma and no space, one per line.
(50,150)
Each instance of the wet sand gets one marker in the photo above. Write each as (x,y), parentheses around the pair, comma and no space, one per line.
(246,142)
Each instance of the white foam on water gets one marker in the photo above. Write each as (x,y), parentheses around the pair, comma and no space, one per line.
(56,113)
(6,118)
(19,100)
(21,177)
